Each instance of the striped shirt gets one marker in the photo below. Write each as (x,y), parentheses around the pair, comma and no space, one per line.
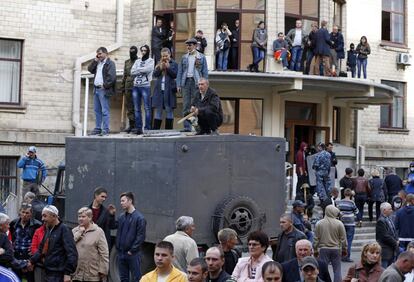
(348,211)
(7,275)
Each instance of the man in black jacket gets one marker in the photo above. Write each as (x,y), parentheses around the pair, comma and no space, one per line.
(393,184)
(215,261)
(291,268)
(207,107)
(104,218)
(386,235)
(286,240)
(57,251)
(104,71)
(158,38)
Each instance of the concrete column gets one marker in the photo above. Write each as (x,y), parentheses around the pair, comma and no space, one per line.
(206,21)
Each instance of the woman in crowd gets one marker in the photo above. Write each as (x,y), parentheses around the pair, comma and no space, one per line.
(165,90)
(376,195)
(258,46)
(223,46)
(93,254)
(272,271)
(142,73)
(369,268)
(363,50)
(250,268)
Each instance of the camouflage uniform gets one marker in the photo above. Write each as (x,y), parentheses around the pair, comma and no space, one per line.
(126,87)
(322,167)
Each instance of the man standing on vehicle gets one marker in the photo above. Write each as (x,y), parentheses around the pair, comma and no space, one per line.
(103,217)
(57,251)
(185,248)
(129,238)
(34,171)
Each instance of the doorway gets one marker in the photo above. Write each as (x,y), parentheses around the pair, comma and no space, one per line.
(230,19)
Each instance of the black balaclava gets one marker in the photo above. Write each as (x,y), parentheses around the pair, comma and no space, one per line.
(147,55)
(133,53)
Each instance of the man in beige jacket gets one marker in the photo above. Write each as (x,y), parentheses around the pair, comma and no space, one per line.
(330,240)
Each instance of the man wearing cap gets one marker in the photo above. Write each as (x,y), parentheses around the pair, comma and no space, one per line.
(34,171)
(298,220)
(310,270)
(57,251)
(191,68)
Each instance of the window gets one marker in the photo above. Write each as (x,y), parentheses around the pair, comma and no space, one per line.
(392,115)
(393,21)
(10,71)
(242,116)
(306,10)
(8,177)
(249,13)
(181,16)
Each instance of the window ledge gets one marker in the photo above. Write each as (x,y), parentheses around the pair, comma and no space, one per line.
(389,46)
(402,131)
(13,109)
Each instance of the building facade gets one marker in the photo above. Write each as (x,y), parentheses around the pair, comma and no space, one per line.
(45,47)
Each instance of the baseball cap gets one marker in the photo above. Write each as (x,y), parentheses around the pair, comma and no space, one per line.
(309,261)
(32,149)
(298,203)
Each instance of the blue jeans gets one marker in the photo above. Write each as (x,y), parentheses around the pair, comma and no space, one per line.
(323,184)
(101,108)
(145,94)
(353,70)
(350,232)
(222,59)
(309,57)
(332,256)
(129,264)
(189,91)
(283,56)
(362,63)
(296,58)
(169,114)
(258,55)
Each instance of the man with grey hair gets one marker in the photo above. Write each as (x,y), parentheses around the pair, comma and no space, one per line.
(396,271)
(291,271)
(206,106)
(386,235)
(228,239)
(185,248)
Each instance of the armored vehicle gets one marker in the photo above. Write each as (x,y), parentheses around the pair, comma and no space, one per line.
(221,181)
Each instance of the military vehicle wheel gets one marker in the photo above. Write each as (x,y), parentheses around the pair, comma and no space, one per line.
(239,213)
(147,261)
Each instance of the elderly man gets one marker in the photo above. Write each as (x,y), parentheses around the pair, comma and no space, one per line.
(165,271)
(396,271)
(22,230)
(215,261)
(191,68)
(185,248)
(6,249)
(404,222)
(206,106)
(228,239)
(197,270)
(310,270)
(57,251)
(386,235)
(104,71)
(34,171)
(286,240)
(330,240)
(291,268)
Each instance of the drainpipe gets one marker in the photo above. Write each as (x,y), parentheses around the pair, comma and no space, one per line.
(83,59)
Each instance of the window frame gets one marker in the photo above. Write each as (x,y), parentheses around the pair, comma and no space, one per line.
(404,14)
(16,177)
(391,109)
(336,124)
(20,60)
(302,17)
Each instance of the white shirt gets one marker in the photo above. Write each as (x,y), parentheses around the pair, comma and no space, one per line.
(297,41)
(162,278)
(191,65)
(99,77)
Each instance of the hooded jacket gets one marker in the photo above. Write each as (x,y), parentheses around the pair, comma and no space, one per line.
(404,223)
(330,232)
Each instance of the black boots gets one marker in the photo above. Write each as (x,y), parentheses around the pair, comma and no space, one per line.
(130,127)
(169,123)
(157,124)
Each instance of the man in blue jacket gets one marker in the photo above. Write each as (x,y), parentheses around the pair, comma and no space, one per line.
(129,238)
(404,222)
(191,68)
(34,171)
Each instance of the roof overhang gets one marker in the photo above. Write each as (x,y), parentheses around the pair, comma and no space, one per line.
(357,93)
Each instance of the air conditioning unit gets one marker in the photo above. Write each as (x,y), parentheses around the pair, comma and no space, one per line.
(404,59)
